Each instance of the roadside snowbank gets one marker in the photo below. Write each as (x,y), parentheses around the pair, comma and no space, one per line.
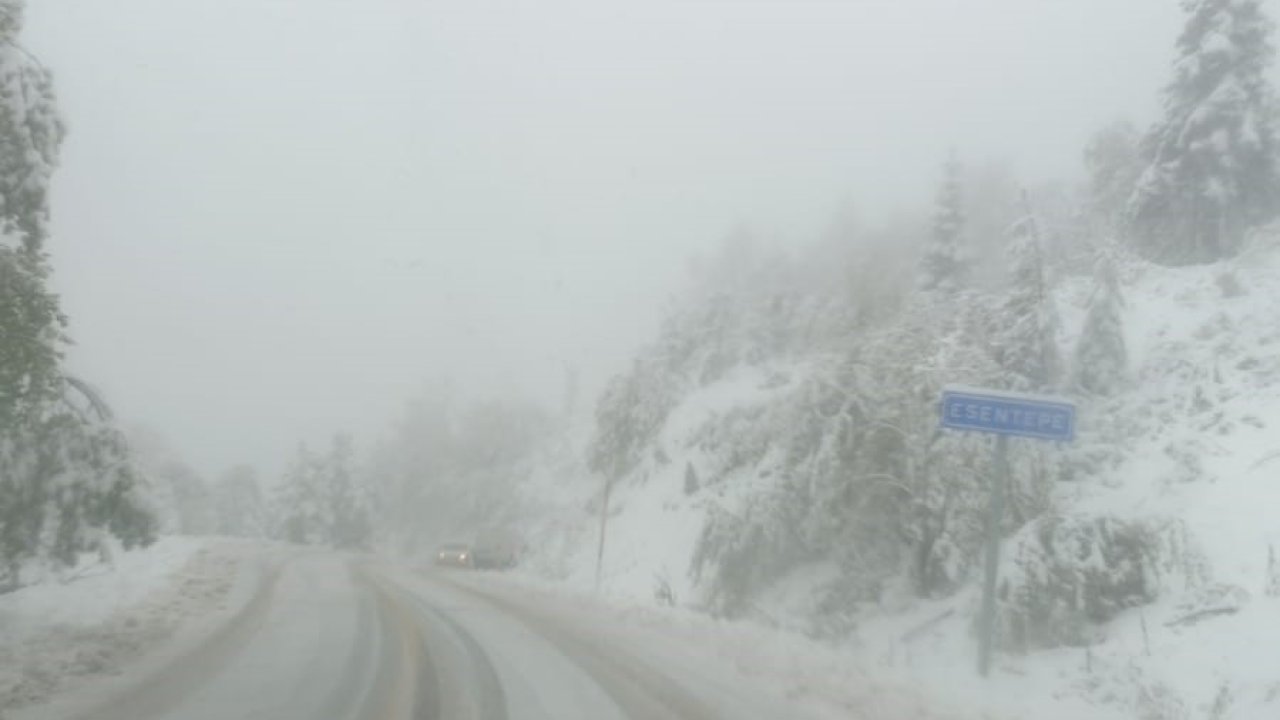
(58,638)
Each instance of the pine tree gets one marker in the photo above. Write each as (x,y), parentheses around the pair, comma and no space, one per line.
(1114,164)
(1100,355)
(297,504)
(944,266)
(241,508)
(347,511)
(319,501)
(1025,339)
(691,483)
(1212,170)
(193,510)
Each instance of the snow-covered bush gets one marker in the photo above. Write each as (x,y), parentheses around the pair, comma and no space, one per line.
(1101,359)
(739,554)
(1066,575)
(321,501)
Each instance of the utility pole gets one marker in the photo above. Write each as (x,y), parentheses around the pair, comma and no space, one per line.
(604,520)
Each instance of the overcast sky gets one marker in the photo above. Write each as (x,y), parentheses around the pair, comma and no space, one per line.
(276,218)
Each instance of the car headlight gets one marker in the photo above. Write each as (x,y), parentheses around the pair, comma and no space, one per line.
(463,557)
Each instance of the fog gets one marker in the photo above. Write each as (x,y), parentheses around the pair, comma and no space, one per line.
(278,219)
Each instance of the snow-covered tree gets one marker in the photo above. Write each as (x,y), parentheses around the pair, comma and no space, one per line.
(193,502)
(1212,170)
(320,500)
(1114,164)
(30,135)
(450,469)
(691,483)
(298,505)
(182,498)
(67,487)
(629,414)
(348,506)
(944,265)
(992,202)
(859,474)
(1100,356)
(67,483)
(240,506)
(1024,336)
(407,464)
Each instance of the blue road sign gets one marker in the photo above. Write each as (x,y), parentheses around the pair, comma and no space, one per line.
(1004,413)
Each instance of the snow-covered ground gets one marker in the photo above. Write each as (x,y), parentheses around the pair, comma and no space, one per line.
(1190,448)
(653,528)
(1195,453)
(70,647)
(110,622)
(818,680)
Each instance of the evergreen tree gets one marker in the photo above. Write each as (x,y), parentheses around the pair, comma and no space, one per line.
(629,414)
(298,503)
(1100,355)
(320,502)
(347,512)
(1212,170)
(193,509)
(1025,336)
(238,500)
(691,483)
(1114,164)
(944,266)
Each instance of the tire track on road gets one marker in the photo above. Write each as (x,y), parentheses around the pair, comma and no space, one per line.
(641,690)
(492,699)
(411,690)
(430,685)
(166,689)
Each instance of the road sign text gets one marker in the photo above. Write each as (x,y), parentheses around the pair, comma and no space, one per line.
(1007,414)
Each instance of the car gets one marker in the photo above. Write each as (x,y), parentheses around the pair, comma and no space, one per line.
(455,555)
(493,556)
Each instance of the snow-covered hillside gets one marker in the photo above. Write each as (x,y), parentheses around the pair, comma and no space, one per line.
(1149,560)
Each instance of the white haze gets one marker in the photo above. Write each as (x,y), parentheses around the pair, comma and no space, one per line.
(277,218)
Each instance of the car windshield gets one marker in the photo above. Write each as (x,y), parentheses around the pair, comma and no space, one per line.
(764,359)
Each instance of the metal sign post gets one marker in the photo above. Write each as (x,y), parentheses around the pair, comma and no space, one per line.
(1004,415)
(995,511)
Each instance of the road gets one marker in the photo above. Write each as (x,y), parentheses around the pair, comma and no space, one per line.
(331,637)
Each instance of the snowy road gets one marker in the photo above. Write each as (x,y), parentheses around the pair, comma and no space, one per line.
(331,637)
